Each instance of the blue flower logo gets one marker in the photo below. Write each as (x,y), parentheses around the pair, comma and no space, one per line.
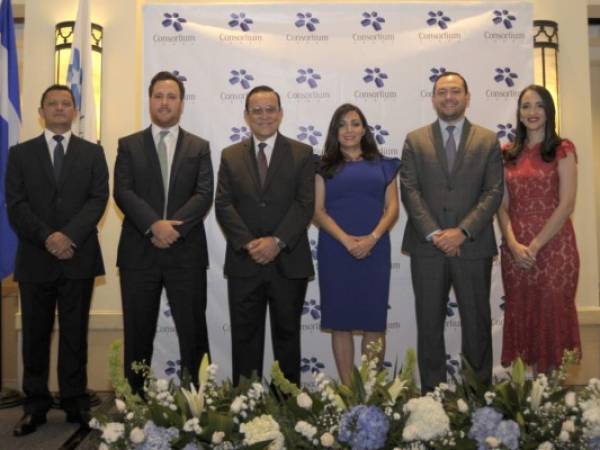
(438,18)
(379,133)
(241,76)
(179,76)
(502,302)
(239,133)
(306,20)
(451,308)
(435,73)
(313,308)
(313,249)
(308,76)
(173,368)
(504,17)
(505,75)
(240,20)
(173,19)
(309,132)
(167,312)
(452,365)
(372,19)
(506,131)
(375,75)
(311,364)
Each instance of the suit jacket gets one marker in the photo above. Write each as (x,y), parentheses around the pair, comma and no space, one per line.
(38,206)
(466,197)
(283,208)
(140,194)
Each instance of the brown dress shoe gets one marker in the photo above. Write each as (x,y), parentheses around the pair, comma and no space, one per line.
(28,424)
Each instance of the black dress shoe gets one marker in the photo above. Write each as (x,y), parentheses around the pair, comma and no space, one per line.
(28,424)
(81,417)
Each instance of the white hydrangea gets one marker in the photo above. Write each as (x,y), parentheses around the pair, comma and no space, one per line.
(462,406)
(192,424)
(591,417)
(305,429)
(120,404)
(112,432)
(237,404)
(304,401)
(571,399)
(217,437)
(263,428)
(427,420)
(162,385)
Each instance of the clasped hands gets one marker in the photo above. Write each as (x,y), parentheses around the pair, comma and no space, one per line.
(523,255)
(60,245)
(263,250)
(449,241)
(359,246)
(164,233)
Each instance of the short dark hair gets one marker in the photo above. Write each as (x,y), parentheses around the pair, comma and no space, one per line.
(163,76)
(447,74)
(57,87)
(262,88)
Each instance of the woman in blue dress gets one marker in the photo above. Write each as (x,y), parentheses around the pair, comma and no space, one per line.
(355,206)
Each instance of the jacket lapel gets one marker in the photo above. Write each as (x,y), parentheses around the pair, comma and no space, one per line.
(43,153)
(464,144)
(277,158)
(438,143)
(71,155)
(149,150)
(250,160)
(181,148)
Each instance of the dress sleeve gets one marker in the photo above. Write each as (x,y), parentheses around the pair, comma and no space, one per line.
(391,166)
(565,148)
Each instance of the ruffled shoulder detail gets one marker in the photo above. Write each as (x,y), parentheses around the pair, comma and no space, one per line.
(390,166)
(565,148)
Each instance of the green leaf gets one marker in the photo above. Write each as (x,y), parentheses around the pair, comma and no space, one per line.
(281,382)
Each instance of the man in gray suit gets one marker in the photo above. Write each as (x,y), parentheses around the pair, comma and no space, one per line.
(451,185)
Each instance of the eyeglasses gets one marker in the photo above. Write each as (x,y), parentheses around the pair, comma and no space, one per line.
(268,111)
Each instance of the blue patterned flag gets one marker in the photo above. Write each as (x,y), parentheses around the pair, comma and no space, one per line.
(80,75)
(10,123)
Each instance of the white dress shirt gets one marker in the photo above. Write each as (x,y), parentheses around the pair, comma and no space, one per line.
(51,142)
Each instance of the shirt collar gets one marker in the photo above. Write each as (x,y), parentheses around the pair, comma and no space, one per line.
(458,124)
(49,135)
(270,141)
(173,131)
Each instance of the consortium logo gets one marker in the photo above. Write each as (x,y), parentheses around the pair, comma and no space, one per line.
(375,79)
(503,21)
(308,80)
(307,25)
(240,27)
(239,133)
(439,24)
(506,132)
(174,26)
(309,134)
(382,136)
(373,23)
(434,73)
(505,81)
(241,79)
(189,96)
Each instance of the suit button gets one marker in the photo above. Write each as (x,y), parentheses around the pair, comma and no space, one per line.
(262,204)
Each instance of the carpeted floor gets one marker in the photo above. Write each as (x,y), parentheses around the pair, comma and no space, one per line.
(56,434)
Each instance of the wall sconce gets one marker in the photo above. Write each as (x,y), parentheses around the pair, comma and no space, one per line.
(545,59)
(63,40)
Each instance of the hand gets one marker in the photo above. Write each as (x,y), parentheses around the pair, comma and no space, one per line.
(263,250)
(522,256)
(350,243)
(449,241)
(60,245)
(163,233)
(363,247)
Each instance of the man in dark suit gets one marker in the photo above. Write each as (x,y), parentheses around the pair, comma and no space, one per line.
(452,184)
(264,203)
(56,192)
(164,186)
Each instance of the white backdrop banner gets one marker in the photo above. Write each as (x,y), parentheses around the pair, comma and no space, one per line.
(381,57)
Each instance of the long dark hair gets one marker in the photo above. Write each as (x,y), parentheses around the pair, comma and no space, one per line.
(551,138)
(333,158)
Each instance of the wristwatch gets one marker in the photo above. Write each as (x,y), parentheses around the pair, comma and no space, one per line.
(279,243)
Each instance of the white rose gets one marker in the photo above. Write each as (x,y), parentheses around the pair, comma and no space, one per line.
(304,401)
(112,432)
(564,436)
(236,405)
(162,385)
(327,440)
(462,406)
(489,397)
(129,416)
(492,442)
(217,437)
(120,404)
(136,435)
(568,425)
(570,399)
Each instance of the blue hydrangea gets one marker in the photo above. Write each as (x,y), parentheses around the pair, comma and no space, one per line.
(485,421)
(158,438)
(364,428)
(508,433)
(594,443)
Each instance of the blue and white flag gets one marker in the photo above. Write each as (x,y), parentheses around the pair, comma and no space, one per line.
(80,75)
(10,124)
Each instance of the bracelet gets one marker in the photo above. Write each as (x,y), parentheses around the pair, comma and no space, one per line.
(374,236)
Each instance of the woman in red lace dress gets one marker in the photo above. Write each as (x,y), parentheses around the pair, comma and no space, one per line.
(540,262)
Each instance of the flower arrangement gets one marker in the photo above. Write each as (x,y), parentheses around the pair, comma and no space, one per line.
(380,411)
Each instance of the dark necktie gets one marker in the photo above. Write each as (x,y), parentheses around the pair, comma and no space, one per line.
(450,147)
(59,155)
(262,163)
